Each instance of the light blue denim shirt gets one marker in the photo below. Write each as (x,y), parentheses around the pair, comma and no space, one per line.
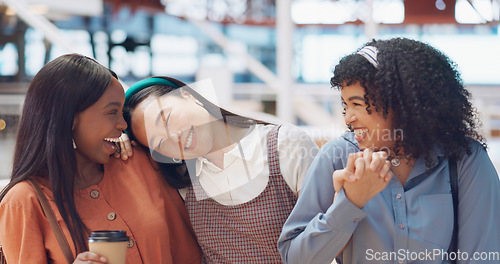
(396,226)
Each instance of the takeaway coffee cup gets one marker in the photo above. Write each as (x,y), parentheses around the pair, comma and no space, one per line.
(111,244)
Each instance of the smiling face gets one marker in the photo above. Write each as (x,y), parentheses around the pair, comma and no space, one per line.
(174,125)
(96,126)
(371,130)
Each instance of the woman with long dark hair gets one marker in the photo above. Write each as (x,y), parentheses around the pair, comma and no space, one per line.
(239,177)
(71,120)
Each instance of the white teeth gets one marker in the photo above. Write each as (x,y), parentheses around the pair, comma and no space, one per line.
(189,139)
(360,132)
(112,140)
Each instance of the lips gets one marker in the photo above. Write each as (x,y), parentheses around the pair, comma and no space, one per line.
(190,139)
(112,144)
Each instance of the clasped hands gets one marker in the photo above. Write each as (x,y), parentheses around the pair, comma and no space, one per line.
(366,174)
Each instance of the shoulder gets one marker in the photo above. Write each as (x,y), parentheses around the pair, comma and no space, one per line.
(475,145)
(477,151)
(476,165)
(475,157)
(139,158)
(345,142)
(22,195)
(284,130)
(295,140)
(292,131)
(289,133)
(139,166)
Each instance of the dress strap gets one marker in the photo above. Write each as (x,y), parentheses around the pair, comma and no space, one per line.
(272,152)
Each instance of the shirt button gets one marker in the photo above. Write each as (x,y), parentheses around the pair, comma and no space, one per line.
(401,226)
(398,196)
(111,216)
(130,243)
(356,220)
(94,194)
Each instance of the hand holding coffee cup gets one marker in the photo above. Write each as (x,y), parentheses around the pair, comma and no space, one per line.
(111,244)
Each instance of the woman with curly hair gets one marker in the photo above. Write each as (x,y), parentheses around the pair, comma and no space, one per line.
(406,98)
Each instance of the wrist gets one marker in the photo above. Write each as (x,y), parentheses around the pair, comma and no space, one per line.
(358,200)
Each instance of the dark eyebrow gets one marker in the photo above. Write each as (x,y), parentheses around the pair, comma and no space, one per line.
(161,115)
(356,97)
(118,104)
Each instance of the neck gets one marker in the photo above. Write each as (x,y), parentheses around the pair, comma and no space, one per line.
(89,173)
(224,144)
(403,169)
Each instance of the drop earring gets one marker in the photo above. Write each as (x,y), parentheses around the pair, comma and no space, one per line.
(74,144)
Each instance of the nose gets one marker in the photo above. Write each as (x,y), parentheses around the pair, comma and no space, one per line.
(121,124)
(349,117)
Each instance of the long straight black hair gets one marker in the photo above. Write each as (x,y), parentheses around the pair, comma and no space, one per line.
(177,174)
(63,87)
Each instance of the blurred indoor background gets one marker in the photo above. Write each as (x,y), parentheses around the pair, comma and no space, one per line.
(270,59)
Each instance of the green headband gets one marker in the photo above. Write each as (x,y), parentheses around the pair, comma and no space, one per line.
(136,87)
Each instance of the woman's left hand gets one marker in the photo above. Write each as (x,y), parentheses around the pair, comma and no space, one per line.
(125,149)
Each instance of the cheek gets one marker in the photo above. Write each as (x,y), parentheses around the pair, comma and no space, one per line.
(139,131)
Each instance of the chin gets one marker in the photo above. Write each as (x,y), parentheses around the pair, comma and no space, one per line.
(104,159)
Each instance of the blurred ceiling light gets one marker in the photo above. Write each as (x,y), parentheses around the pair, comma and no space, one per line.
(10,12)
(39,9)
(476,11)
(34,9)
(343,11)
(440,5)
(323,12)
(3,124)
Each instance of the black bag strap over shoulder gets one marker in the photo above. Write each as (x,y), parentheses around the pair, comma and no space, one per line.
(454,195)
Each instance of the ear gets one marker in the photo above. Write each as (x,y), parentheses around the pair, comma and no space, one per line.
(186,95)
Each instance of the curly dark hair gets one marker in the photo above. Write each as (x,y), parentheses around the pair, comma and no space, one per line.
(423,88)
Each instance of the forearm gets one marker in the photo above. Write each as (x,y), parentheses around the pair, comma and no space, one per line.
(324,236)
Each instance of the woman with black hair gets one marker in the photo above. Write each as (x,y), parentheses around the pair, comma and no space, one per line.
(406,98)
(239,177)
(71,120)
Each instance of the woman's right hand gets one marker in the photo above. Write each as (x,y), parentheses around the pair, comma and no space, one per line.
(372,176)
(125,150)
(350,173)
(88,257)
